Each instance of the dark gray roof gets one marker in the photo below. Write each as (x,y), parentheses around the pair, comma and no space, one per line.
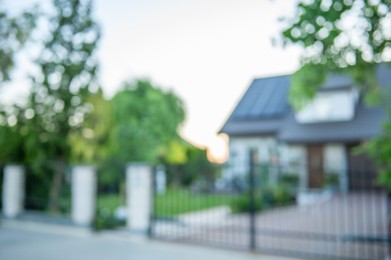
(384,78)
(252,127)
(337,81)
(261,109)
(264,109)
(265,98)
(366,123)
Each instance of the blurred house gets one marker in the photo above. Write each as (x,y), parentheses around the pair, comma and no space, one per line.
(316,142)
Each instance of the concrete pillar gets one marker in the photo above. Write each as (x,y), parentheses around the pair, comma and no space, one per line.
(160,180)
(139,196)
(83,194)
(13,190)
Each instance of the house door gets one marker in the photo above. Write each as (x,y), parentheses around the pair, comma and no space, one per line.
(315,166)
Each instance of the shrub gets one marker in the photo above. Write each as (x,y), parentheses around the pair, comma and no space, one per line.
(242,204)
(290,180)
(105,219)
(331,179)
(277,196)
(266,198)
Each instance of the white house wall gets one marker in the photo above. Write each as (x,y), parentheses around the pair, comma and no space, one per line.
(292,158)
(336,162)
(294,161)
(239,149)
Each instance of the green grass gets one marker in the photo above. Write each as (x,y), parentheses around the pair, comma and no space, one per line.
(178,201)
(106,205)
(173,202)
(110,201)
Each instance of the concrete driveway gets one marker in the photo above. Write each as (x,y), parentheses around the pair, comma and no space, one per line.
(344,226)
(26,240)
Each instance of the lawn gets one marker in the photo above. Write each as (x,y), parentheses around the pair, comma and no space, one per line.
(173,202)
(110,201)
(178,201)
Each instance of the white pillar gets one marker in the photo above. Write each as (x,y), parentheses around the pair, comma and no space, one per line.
(139,196)
(13,190)
(83,195)
(160,180)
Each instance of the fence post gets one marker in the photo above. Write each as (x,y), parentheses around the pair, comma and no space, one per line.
(389,223)
(160,180)
(83,194)
(252,198)
(13,190)
(139,196)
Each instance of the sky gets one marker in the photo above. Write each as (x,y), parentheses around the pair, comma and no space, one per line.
(206,51)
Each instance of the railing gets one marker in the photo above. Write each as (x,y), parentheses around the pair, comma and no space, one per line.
(271,209)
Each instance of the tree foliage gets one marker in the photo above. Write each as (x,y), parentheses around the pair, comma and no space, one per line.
(15,30)
(57,103)
(11,139)
(344,36)
(339,36)
(145,121)
(38,131)
(66,118)
(380,150)
(67,74)
(89,143)
(194,168)
(68,67)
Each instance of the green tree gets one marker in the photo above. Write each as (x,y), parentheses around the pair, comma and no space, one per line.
(344,36)
(11,139)
(15,31)
(145,121)
(339,36)
(199,168)
(89,143)
(175,152)
(68,68)
(187,165)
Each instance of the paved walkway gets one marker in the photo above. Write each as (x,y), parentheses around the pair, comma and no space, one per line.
(334,228)
(28,240)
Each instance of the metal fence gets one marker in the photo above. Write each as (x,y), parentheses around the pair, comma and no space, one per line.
(111,209)
(1,186)
(270,210)
(48,189)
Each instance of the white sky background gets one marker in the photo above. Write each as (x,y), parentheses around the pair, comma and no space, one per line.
(207,51)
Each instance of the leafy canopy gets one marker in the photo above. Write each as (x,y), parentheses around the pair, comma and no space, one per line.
(38,132)
(15,31)
(89,143)
(68,67)
(348,36)
(145,121)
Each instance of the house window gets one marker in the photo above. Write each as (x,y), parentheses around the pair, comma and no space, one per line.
(329,106)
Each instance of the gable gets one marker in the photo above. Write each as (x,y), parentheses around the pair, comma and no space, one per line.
(264,109)
(330,106)
(365,124)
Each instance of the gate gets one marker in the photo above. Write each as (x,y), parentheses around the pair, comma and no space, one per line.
(47,192)
(110,202)
(266,211)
